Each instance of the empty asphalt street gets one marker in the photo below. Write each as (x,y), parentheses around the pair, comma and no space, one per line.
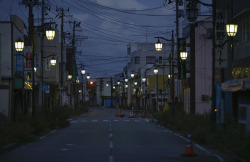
(100,136)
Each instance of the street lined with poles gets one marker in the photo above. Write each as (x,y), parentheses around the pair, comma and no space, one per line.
(100,136)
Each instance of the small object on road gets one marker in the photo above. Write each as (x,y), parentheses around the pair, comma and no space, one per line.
(189,147)
(131,115)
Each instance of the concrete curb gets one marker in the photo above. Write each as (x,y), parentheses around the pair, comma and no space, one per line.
(185,139)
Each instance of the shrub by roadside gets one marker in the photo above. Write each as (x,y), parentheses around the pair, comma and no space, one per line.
(26,128)
(230,140)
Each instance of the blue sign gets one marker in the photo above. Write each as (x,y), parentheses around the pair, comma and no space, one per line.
(20,62)
(45,88)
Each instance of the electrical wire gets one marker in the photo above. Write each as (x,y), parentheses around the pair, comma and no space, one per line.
(125,11)
(9,11)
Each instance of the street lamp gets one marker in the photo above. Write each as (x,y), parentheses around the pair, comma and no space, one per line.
(69,76)
(183,55)
(77,80)
(83,71)
(126,86)
(144,79)
(132,75)
(155,71)
(172,68)
(126,80)
(135,83)
(35,69)
(19,45)
(231,29)
(118,82)
(53,61)
(88,76)
(50,34)
(158,45)
(192,11)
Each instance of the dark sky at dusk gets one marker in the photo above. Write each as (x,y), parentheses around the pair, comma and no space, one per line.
(109,24)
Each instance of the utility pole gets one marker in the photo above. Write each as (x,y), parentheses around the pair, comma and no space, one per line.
(172,75)
(73,63)
(41,94)
(213,114)
(31,36)
(177,38)
(62,14)
(30,5)
(75,24)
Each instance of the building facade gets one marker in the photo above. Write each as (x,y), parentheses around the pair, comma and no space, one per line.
(12,67)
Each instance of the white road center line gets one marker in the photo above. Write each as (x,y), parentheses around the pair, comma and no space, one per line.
(111,159)
(110,144)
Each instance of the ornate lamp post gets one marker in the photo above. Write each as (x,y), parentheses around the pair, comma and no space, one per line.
(158,45)
(192,10)
(88,76)
(171,64)
(132,75)
(231,29)
(83,71)
(69,76)
(155,71)
(50,34)
(183,55)
(77,80)
(19,45)
(53,61)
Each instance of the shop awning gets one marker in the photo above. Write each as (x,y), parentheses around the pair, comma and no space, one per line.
(234,85)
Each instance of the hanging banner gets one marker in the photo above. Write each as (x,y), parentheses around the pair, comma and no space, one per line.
(221,53)
(28,57)
(19,62)
(37,59)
